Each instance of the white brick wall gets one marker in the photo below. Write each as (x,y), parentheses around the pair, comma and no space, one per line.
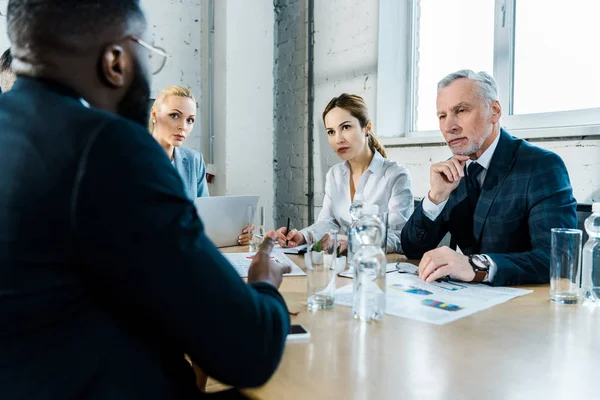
(291,112)
(345,55)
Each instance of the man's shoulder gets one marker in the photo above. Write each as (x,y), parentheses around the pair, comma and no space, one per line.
(529,152)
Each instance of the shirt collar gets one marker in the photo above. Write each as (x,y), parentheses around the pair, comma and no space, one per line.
(485,159)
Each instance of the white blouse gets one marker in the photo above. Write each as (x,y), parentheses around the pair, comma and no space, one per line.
(386,184)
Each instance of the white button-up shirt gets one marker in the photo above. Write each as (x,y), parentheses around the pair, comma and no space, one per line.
(385,183)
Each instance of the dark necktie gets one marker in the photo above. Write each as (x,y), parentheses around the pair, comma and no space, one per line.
(468,243)
(473,188)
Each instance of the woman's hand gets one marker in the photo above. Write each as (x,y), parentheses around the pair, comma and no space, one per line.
(342,243)
(244,238)
(292,239)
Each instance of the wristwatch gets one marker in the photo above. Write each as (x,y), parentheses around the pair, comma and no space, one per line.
(481,265)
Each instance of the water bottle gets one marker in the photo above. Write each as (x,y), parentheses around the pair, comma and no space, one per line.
(369,266)
(355,212)
(357,206)
(590,274)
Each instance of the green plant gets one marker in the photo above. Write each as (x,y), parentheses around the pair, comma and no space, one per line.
(318,246)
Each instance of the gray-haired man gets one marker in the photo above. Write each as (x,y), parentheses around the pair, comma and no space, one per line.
(498,196)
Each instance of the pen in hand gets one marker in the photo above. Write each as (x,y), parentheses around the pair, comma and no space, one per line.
(287,231)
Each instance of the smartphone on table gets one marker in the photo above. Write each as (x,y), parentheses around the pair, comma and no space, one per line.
(298,332)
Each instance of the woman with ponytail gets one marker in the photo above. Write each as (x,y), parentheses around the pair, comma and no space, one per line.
(365,171)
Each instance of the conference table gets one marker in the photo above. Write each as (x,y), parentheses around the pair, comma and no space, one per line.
(526,348)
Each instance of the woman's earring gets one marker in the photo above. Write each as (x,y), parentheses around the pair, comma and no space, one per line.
(153,121)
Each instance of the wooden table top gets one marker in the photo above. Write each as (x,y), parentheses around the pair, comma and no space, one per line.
(525,348)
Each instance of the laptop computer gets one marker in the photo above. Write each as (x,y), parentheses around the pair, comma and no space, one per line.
(224,217)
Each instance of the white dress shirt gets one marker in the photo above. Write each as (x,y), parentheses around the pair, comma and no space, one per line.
(432,211)
(385,183)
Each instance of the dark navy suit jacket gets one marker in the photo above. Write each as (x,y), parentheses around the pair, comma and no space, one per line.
(106,275)
(526,193)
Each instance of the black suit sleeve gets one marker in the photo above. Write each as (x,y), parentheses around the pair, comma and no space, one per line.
(143,247)
(420,234)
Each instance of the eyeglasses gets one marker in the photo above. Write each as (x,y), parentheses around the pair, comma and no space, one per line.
(157,56)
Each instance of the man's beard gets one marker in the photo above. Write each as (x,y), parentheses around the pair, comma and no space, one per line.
(135,104)
(472,147)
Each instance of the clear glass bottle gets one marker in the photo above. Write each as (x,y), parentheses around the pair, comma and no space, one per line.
(369,266)
(355,212)
(590,274)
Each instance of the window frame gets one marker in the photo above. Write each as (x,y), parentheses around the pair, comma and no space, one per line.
(571,123)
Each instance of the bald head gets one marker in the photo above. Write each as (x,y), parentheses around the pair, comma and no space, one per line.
(68,25)
(90,46)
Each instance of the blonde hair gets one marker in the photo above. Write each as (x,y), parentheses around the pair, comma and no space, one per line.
(173,90)
(357,107)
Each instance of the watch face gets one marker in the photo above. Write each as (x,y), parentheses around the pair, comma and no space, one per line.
(481,262)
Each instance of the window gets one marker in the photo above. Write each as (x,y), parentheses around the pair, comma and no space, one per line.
(449,39)
(542,54)
(556,56)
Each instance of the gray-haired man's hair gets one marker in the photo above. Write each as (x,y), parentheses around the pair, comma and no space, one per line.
(488,89)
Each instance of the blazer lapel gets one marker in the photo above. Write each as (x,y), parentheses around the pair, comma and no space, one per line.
(181,162)
(500,165)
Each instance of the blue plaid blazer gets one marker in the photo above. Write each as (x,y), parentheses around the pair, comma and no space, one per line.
(526,193)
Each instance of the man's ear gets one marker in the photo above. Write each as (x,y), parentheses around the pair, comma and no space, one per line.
(496,111)
(115,65)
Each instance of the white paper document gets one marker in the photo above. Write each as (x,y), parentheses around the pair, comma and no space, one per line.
(390,267)
(241,263)
(435,303)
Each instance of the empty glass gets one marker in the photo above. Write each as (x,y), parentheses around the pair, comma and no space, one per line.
(320,259)
(256,219)
(565,265)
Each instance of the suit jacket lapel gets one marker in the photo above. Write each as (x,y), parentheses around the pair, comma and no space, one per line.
(500,165)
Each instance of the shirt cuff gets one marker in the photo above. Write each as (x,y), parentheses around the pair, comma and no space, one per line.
(431,210)
(492,271)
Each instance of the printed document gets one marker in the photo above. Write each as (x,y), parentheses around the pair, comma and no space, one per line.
(436,303)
